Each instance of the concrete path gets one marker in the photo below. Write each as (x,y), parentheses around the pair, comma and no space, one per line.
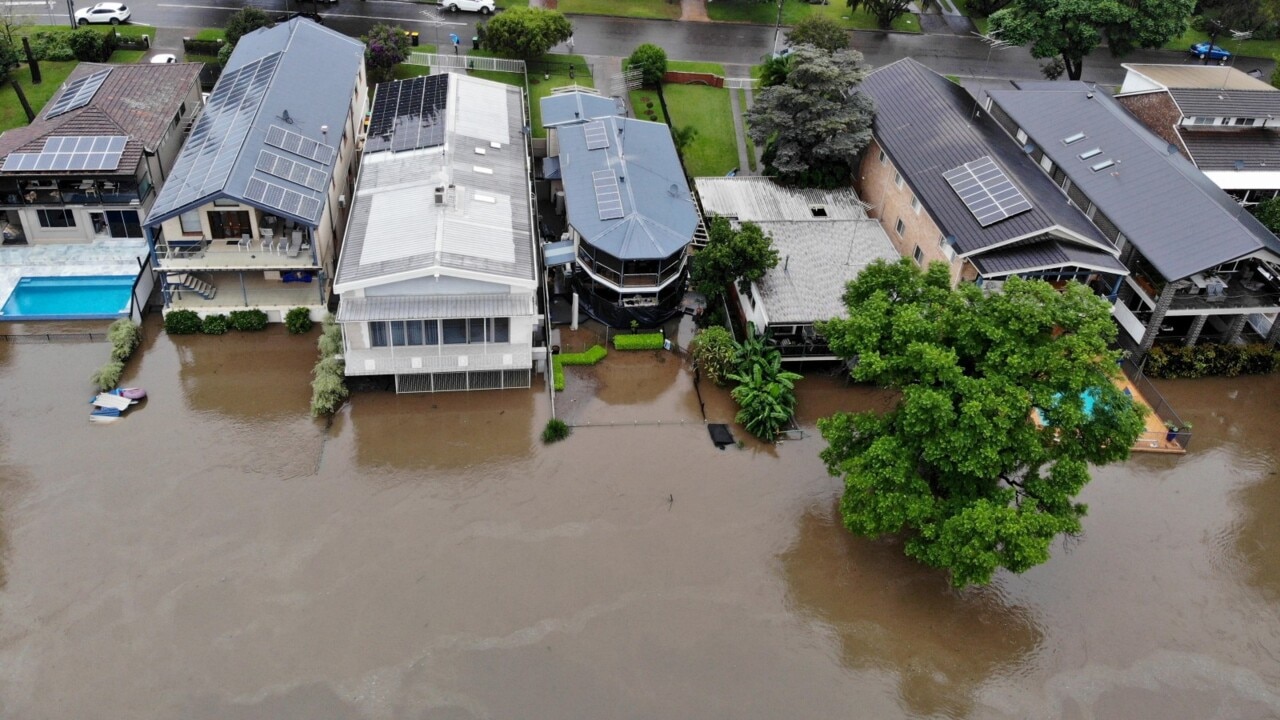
(694,10)
(744,167)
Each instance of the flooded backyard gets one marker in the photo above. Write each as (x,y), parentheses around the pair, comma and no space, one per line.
(219,554)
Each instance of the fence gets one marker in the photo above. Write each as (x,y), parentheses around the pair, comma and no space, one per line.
(53,338)
(1178,434)
(466,62)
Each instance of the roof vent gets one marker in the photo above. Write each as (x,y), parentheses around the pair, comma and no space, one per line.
(1239,164)
(1090,153)
(674,190)
(1102,165)
(439,195)
(285,117)
(1073,138)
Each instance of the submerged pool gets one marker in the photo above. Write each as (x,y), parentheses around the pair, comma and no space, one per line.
(79,297)
(1087,399)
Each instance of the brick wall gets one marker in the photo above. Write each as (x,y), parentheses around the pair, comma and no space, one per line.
(889,203)
(693,78)
(1159,113)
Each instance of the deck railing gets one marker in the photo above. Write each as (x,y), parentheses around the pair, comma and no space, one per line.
(1160,406)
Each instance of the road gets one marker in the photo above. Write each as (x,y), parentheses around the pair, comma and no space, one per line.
(730,44)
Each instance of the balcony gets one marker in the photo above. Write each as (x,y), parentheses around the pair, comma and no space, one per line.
(122,190)
(632,274)
(242,290)
(249,253)
(1227,292)
(438,358)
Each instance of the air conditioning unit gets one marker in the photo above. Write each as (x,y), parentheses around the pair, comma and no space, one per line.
(342,201)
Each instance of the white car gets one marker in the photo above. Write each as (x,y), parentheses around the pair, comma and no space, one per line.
(164,59)
(104,12)
(484,7)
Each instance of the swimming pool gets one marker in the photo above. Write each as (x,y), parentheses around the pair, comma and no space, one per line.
(1087,399)
(77,297)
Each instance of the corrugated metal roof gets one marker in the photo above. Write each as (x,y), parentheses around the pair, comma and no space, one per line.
(1046,254)
(817,260)
(434,307)
(397,229)
(313,83)
(1180,221)
(1228,103)
(574,107)
(758,198)
(929,125)
(658,216)
(1257,150)
(1198,76)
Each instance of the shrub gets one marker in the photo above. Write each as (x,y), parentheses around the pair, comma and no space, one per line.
(329,388)
(86,44)
(555,431)
(214,325)
(244,21)
(715,352)
(652,61)
(385,47)
(1210,359)
(248,320)
(108,376)
(182,322)
(643,341)
(330,342)
(298,320)
(557,373)
(125,338)
(46,45)
(591,356)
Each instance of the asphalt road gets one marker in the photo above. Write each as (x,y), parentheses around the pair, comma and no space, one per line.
(731,44)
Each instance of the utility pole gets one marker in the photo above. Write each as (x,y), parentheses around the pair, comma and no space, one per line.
(71,13)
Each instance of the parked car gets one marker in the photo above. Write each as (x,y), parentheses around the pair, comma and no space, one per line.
(1213,52)
(104,12)
(163,59)
(484,7)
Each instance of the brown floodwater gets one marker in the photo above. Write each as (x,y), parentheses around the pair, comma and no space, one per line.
(219,554)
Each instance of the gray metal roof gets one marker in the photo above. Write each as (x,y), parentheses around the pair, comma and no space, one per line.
(657,216)
(573,107)
(1045,255)
(296,70)
(397,230)
(817,260)
(1196,76)
(434,307)
(1257,150)
(927,125)
(1180,221)
(1227,103)
(749,198)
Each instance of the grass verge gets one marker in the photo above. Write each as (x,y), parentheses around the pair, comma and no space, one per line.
(649,9)
(125,30)
(714,151)
(1247,48)
(793,11)
(211,34)
(697,67)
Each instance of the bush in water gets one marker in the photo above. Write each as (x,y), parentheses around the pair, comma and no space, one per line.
(182,322)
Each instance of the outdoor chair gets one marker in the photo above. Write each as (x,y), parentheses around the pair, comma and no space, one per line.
(246,240)
(268,235)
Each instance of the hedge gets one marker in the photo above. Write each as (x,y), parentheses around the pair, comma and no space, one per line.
(182,322)
(591,356)
(329,388)
(298,320)
(1210,359)
(643,341)
(248,320)
(214,325)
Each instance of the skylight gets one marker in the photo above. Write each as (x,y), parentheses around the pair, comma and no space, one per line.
(1102,165)
(1073,138)
(1090,153)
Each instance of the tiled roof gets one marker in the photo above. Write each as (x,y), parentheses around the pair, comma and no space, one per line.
(1257,150)
(1228,103)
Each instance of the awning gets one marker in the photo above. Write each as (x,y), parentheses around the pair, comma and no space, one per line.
(557,253)
(433,307)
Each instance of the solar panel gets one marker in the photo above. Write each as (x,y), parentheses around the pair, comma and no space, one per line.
(286,201)
(987,191)
(608,197)
(77,94)
(216,140)
(286,169)
(71,152)
(408,114)
(597,136)
(294,143)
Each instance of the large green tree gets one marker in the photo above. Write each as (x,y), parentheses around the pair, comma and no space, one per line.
(732,255)
(244,21)
(885,11)
(1071,29)
(527,33)
(821,32)
(651,60)
(385,47)
(813,126)
(958,467)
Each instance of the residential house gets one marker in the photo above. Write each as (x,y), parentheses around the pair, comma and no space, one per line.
(630,214)
(1200,265)
(949,186)
(255,206)
(1226,122)
(824,238)
(438,276)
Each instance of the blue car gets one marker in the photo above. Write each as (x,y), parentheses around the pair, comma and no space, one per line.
(1213,52)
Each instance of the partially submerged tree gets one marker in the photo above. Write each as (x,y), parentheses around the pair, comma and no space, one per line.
(765,393)
(821,32)
(813,126)
(525,32)
(741,255)
(1071,29)
(384,47)
(958,467)
(651,60)
(885,11)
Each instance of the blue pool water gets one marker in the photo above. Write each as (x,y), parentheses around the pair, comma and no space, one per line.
(1087,399)
(84,297)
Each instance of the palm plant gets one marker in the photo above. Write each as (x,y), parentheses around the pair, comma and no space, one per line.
(765,393)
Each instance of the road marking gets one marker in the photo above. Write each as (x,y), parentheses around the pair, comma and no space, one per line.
(327,15)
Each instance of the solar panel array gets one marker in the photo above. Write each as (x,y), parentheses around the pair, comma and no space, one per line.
(286,169)
(408,114)
(987,191)
(286,201)
(298,145)
(608,197)
(72,152)
(210,154)
(77,94)
(597,136)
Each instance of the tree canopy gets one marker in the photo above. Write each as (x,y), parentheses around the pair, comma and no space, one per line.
(652,62)
(384,47)
(885,11)
(958,467)
(1071,29)
(244,21)
(525,32)
(821,32)
(740,255)
(813,126)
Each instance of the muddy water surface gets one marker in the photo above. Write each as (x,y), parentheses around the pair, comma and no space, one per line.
(218,554)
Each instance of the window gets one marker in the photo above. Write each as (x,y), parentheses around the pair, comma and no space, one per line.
(224,202)
(918,255)
(177,118)
(501,330)
(1047,164)
(190,221)
(1203,121)
(897,179)
(56,218)
(1021,135)
(817,211)
(900,228)
(884,159)
(915,204)
(124,224)
(455,332)
(182,109)
(378,334)
(1242,121)
(475,330)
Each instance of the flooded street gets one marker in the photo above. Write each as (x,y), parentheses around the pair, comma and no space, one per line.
(219,554)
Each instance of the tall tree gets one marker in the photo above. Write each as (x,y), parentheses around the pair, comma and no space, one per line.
(958,466)
(384,47)
(813,126)
(1071,29)
(244,21)
(741,255)
(885,11)
(821,32)
(525,32)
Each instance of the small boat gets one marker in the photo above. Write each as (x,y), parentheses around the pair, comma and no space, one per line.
(133,395)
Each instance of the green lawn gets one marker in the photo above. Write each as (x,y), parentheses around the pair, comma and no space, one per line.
(980,22)
(1248,48)
(125,57)
(698,67)
(53,74)
(211,34)
(556,70)
(206,59)
(715,150)
(126,30)
(640,100)
(653,9)
(793,11)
